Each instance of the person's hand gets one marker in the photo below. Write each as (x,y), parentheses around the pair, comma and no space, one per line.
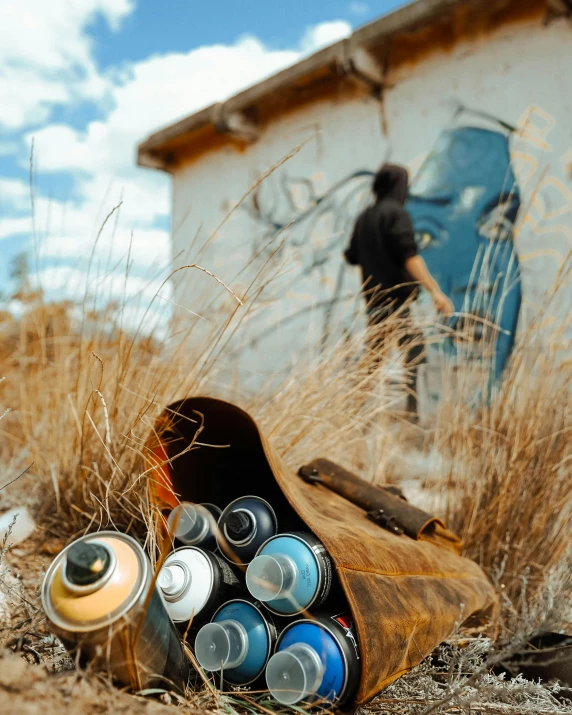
(442,304)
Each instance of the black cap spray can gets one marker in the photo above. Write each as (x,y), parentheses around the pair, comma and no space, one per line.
(243,527)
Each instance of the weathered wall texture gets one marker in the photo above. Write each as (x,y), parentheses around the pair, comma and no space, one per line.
(483,126)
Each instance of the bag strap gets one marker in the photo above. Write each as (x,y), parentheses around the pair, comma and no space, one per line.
(384,505)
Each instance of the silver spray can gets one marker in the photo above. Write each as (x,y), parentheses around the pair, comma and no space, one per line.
(195,524)
(99,596)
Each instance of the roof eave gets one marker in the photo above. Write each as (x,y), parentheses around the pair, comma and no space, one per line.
(350,56)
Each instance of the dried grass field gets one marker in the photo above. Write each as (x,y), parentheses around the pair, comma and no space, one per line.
(79,397)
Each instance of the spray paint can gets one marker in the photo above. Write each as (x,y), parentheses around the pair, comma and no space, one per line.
(315,659)
(194,583)
(290,574)
(240,638)
(98,595)
(195,524)
(243,527)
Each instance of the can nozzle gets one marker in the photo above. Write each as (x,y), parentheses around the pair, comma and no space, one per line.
(189,523)
(86,564)
(222,645)
(295,673)
(172,579)
(238,526)
(271,577)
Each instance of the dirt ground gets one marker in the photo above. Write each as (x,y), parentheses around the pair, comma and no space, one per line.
(37,677)
(29,690)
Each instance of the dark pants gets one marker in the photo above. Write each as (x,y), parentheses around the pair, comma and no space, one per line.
(382,328)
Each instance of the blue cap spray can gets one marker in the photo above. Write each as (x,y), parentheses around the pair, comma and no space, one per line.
(290,574)
(239,641)
(315,659)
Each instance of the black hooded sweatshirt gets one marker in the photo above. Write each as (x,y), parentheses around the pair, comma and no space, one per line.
(383,240)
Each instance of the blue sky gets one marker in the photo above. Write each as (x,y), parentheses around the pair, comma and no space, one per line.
(85,81)
(178,25)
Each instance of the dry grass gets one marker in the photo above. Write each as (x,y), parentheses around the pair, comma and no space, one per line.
(84,393)
(506,480)
(83,404)
(83,401)
(458,680)
(82,407)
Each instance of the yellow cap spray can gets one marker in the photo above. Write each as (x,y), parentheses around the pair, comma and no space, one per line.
(99,595)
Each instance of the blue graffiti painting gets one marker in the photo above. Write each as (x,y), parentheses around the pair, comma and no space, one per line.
(463,203)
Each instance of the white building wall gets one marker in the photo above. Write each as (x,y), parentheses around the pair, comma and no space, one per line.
(305,208)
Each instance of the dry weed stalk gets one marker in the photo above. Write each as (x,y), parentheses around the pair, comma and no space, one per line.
(506,488)
(85,400)
(84,392)
(340,404)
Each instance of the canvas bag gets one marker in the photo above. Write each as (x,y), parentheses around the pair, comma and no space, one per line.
(406,595)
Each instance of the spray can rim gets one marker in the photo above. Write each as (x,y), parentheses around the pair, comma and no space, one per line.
(323,624)
(134,596)
(299,536)
(252,603)
(269,627)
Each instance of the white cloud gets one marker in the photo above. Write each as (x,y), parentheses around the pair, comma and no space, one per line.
(149,247)
(326,33)
(164,88)
(149,94)
(66,232)
(26,96)
(59,147)
(14,227)
(52,34)
(72,282)
(358,8)
(143,301)
(14,195)
(9,148)
(141,97)
(45,54)
(155,92)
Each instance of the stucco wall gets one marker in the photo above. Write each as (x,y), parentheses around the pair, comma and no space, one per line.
(304,210)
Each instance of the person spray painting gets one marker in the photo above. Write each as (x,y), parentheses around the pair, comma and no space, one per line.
(383,245)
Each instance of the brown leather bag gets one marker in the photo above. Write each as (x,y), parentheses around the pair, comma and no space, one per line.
(407,592)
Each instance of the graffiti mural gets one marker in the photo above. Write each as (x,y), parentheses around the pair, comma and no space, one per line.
(315,226)
(464,203)
(490,222)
